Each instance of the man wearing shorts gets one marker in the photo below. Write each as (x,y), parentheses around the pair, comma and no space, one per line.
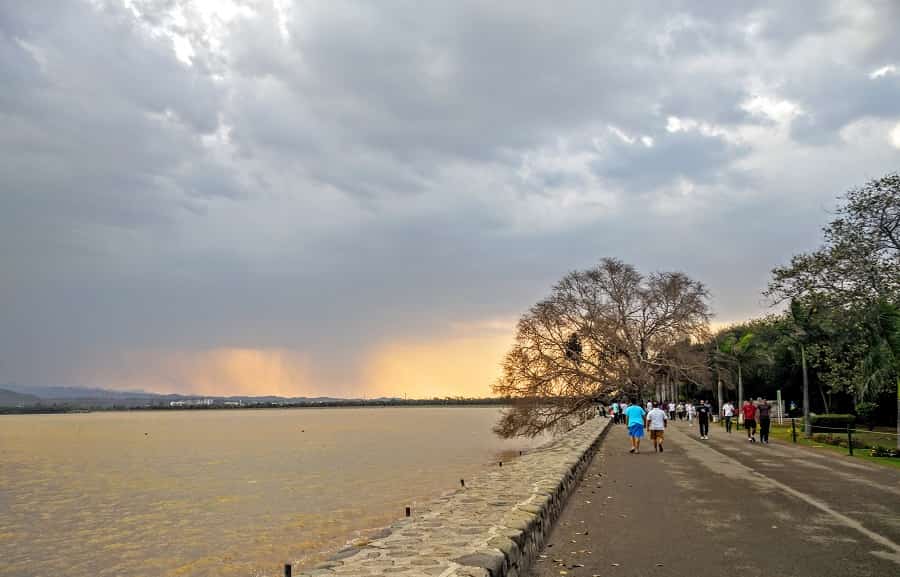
(635,418)
(749,412)
(656,422)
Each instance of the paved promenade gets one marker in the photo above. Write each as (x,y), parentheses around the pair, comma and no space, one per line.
(726,507)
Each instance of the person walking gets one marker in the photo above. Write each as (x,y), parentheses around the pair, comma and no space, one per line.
(679,410)
(657,421)
(749,413)
(762,409)
(635,415)
(689,409)
(614,408)
(728,414)
(703,414)
(671,410)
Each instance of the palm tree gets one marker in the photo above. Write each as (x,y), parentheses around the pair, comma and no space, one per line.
(801,318)
(741,351)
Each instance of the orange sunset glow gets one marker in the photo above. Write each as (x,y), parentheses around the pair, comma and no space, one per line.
(464,363)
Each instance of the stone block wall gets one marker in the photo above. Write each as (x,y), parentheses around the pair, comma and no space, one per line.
(494,527)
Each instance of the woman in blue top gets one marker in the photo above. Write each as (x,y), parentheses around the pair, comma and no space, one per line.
(635,415)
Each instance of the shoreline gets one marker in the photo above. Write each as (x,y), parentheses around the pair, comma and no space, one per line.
(62,409)
(493,525)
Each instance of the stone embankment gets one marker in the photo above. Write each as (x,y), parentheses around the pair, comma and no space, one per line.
(492,527)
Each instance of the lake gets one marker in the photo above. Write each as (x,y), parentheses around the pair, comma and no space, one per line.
(223,492)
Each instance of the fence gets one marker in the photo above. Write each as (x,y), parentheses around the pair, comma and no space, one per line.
(877,441)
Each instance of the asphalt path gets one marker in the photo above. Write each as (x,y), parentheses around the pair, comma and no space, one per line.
(724,506)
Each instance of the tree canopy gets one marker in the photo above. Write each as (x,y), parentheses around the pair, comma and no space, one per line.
(607,330)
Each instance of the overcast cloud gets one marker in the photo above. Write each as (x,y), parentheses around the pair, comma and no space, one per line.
(361,197)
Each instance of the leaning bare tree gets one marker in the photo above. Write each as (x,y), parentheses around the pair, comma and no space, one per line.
(603,331)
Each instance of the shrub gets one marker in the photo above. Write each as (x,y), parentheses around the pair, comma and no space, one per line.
(833,421)
(879,451)
(838,440)
(866,413)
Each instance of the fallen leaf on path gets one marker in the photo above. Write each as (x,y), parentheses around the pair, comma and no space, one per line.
(659,564)
(577,565)
(615,564)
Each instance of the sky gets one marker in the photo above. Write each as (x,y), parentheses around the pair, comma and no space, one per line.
(343,198)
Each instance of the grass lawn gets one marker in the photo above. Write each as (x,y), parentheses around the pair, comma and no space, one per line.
(783,433)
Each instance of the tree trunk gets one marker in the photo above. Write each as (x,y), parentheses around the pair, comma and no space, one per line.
(807,428)
(898,413)
(824,400)
(740,393)
(719,397)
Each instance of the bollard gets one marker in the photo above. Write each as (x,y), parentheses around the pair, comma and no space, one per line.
(462,483)
(793,429)
(850,440)
(287,570)
(408,511)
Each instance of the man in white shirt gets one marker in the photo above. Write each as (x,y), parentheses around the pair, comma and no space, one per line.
(657,420)
(728,414)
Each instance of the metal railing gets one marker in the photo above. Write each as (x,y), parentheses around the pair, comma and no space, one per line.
(848,430)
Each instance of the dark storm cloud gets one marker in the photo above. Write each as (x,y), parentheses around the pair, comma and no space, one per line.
(689,155)
(323,177)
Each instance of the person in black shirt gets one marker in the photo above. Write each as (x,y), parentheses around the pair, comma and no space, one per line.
(703,411)
(762,409)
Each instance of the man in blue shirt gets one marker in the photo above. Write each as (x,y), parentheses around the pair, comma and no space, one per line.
(635,415)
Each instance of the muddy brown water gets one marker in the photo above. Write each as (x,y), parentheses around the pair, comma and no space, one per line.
(225,493)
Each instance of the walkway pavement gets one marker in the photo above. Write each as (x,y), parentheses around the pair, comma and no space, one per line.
(726,507)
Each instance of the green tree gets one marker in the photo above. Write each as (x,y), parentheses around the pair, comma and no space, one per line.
(859,261)
(848,280)
(740,350)
(882,363)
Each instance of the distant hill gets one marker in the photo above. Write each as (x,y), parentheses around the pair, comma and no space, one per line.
(60,392)
(60,398)
(13,399)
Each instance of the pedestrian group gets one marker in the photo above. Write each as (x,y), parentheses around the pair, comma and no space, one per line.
(655,418)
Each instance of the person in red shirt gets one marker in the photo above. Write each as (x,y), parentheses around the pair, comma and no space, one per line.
(749,412)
